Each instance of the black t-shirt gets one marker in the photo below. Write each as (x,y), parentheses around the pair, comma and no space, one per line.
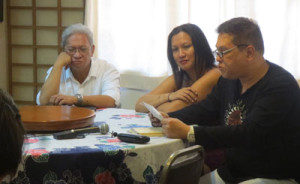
(260,129)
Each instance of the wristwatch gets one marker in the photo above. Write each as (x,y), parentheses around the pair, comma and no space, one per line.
(79,99)
(191,135)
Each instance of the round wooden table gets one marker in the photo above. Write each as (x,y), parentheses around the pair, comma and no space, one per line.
(55,118)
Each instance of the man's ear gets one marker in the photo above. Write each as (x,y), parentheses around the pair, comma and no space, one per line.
(93,49)
(250,52)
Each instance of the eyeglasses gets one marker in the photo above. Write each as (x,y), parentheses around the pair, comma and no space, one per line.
(73,50)
(222,53)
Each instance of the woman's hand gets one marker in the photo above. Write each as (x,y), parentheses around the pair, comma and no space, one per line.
(174,128)
(188,95)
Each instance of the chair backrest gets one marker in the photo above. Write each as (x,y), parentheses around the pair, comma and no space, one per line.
(183,166)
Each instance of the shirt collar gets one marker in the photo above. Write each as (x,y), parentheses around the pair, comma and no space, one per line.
(94,69)
(92,72)
(69,74)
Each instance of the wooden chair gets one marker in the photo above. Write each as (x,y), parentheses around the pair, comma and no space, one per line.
(183,166)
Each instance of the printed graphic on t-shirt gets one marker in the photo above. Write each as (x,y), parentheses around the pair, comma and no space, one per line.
(235,114)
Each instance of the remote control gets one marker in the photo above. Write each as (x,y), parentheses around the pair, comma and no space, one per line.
(153,111)
(133,138)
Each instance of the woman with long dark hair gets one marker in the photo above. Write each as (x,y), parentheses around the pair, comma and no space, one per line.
(194,72)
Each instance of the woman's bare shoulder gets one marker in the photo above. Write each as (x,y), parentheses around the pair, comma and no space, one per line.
(209,79)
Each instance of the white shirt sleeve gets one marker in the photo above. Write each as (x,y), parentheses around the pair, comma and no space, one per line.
(111,83)
(39,93)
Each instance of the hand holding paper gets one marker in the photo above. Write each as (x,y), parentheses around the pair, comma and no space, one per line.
(155,116)
(153,111)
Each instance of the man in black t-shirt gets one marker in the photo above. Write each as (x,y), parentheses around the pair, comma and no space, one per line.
(257,106)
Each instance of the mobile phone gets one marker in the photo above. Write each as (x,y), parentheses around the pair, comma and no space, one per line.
(133,138)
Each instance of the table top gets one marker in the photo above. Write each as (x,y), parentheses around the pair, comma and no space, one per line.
(46,157)
(55,118)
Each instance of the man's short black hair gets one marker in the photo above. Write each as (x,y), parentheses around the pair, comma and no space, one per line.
(244,31)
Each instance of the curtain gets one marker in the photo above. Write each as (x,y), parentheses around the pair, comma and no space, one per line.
(132,34)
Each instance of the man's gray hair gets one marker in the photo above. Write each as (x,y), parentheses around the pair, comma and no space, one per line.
(76,28)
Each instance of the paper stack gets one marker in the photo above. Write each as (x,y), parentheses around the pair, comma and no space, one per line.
(148,131)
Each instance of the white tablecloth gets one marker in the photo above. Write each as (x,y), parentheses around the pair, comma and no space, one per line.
(53,159)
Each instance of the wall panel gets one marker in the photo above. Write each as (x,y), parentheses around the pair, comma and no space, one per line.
(34,35)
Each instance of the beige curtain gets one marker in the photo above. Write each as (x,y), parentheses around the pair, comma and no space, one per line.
(132,34)
(91,9)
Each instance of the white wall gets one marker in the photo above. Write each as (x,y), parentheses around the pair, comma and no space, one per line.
(3,55)
(130,96)
(133,87)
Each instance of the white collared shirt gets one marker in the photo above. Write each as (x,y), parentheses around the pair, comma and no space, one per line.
(103,79)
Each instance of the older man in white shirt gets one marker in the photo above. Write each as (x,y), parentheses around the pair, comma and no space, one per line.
(78,79)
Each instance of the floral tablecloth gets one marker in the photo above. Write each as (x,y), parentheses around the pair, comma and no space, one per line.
(96,158)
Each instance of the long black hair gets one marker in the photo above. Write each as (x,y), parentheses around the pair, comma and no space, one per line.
(204,59)
(11,135)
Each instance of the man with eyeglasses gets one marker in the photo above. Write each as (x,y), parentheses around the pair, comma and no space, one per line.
(257,106)
(77,78)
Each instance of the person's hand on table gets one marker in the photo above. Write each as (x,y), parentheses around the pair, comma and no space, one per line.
(62,100)
(156,122)
(174,128)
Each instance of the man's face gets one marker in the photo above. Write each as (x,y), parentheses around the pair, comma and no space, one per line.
(232,64)
(80,50)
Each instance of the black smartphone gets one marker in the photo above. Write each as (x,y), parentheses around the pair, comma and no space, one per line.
(133,138)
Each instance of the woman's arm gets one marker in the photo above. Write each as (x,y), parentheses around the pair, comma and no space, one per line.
(202,87)
(157,96)
(205,84)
